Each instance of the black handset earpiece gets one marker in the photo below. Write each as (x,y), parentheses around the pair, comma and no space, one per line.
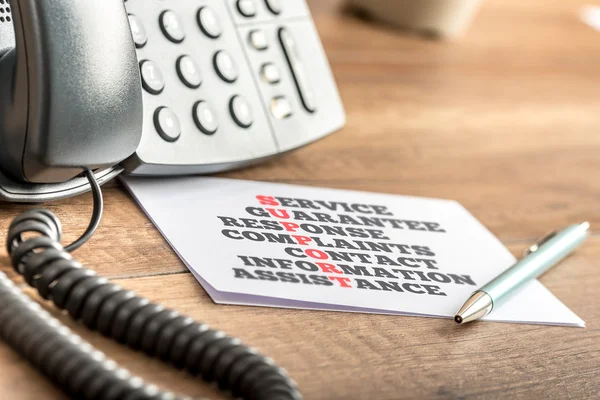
(71,94)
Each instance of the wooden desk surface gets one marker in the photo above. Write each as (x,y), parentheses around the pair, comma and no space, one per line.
(506,121)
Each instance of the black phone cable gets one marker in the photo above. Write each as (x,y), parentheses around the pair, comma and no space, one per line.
(33,243)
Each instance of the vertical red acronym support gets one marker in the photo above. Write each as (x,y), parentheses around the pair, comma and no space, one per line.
(303,240)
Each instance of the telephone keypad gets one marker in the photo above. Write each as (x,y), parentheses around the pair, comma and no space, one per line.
(219,92)
(172,26)
(152,79)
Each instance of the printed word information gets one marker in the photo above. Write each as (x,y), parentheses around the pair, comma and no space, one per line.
(401,268)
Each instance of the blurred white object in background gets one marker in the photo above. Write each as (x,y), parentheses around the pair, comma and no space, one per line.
(591,16)
(444,18)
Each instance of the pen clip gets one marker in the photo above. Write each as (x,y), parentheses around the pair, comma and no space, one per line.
(539,243)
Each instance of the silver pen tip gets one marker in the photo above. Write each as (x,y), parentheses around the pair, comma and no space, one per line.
(477,306)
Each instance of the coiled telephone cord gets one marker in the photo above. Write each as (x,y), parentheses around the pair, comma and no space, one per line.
(82,371)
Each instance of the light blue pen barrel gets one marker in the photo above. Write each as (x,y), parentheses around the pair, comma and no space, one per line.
(541,257)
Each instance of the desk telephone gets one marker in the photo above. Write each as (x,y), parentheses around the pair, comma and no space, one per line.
(92,89)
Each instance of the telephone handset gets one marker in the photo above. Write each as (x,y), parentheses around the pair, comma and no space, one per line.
(91,89)
(69,95)
(158,88)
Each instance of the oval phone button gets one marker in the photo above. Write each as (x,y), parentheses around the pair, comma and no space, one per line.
(225,66)
(281,107)
(241,111)
(274,6)
(171,26)
(270,73)
(258,39)
(188,72)
(152,79)
(167,124)
(247,8)
(205,119)
(209,22)
(140,37)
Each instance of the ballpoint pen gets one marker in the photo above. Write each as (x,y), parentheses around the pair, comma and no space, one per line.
(539,258)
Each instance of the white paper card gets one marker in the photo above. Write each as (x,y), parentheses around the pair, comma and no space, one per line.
(278,245)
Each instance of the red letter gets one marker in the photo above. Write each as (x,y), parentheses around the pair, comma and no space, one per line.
(290,226)
(329,268)
(267,200)
(318,254)
(342,281)
(302,240)
(276,211)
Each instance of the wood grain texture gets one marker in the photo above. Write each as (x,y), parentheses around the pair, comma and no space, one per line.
(506,121)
